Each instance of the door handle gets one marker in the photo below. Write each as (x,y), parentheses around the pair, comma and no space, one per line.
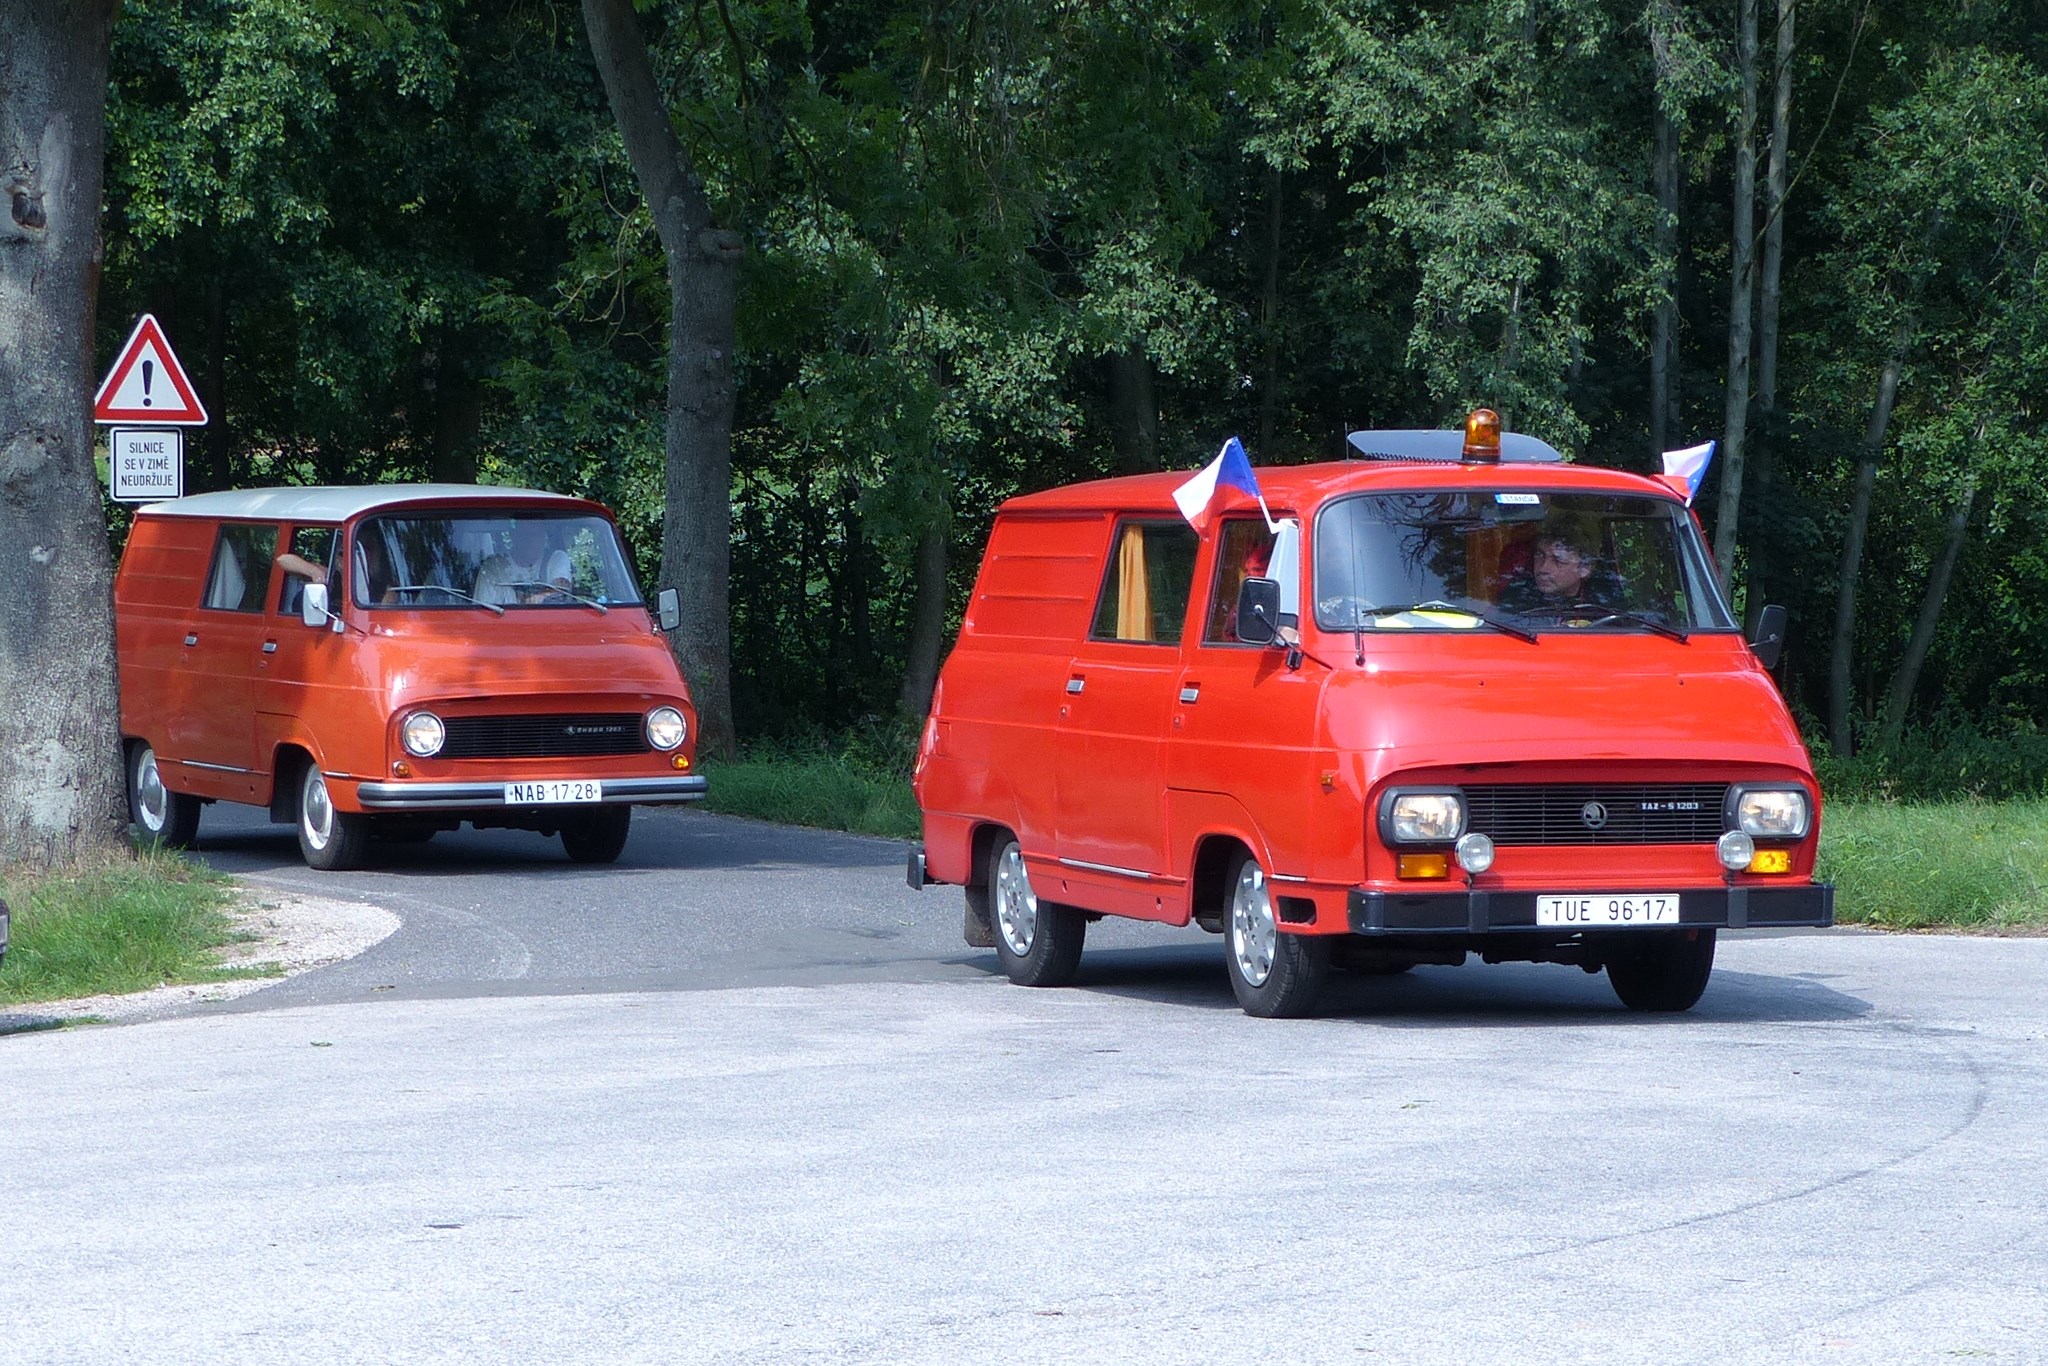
(1191,693)
(192,640)
(270,647)
(1076,684)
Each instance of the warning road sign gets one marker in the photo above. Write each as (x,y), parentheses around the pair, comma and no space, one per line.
(147,384)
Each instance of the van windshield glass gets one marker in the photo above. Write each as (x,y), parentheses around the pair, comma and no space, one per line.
(1536,560)
(458,560)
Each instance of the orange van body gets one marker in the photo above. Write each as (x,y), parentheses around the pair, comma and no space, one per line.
(1142,778)
(251,703)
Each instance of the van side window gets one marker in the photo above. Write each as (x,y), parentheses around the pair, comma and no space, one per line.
(241,567)
(1244,551)
(315,546)
(1145,592)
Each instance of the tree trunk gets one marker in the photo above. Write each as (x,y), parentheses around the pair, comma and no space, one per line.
(703,277)
(458,414)
(214,390)
(1664,426)
(1133,410)
(1763,459)
(1922,640)
(927,622)
(1741,285)
(1269,319)
(1852,548)
(60,742)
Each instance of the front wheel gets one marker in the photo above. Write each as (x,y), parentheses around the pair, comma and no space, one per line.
(1275,975)
(1037,942)
(1663,972)
(599,838)
(163,816)
(331,840)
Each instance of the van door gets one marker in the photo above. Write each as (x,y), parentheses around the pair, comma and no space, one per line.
(212,726)
(295,659)
(1110,745)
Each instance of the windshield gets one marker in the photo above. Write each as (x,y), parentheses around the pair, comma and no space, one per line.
(1539,561)
(463,559)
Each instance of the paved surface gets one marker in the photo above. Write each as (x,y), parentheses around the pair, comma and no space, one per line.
(1840,1157)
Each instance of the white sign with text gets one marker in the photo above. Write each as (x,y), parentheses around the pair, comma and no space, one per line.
(143,466)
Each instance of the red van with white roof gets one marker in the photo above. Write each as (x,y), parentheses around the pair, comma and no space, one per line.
(1451,696)
(393,660)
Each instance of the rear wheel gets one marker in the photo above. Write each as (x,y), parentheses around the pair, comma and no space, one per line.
(599,837)
(331,840)
(1037,942)
(163,816)
(1275,975)
(1666,971)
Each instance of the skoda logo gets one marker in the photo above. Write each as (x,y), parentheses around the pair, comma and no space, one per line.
(1593,814)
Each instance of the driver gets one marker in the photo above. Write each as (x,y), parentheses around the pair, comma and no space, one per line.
(531,573)
(1561,573)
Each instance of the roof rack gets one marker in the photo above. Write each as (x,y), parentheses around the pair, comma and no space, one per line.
(1446,447)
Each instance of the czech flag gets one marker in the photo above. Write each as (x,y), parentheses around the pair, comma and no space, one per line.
(1690,465)
(1231,469)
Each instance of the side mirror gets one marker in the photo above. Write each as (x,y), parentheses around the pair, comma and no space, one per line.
(1767,637)
(669,609)
(1258,611)
(313,604)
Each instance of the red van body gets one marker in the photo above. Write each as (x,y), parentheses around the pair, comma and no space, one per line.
(1068,771)
(436,698)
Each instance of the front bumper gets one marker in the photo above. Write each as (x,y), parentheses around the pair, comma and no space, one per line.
(1381,914)
(468,796)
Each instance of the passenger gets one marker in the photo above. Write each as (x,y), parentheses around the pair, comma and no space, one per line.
(533,572)
(1562,572)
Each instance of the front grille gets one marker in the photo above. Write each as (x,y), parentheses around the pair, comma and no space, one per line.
(1628,813)
(543,737)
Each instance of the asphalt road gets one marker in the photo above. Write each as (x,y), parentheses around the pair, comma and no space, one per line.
(1840,1156)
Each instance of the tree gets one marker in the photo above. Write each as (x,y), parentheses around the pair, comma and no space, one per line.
(60,772)
(703,260)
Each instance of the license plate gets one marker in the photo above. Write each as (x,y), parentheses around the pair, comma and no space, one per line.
(1605,910)
(553,793)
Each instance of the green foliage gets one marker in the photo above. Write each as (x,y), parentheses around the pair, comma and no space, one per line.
(1945,761)
(1954,865)
(120,927)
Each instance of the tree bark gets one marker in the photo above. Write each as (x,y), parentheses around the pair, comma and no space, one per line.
(1133,410)
(927,622)
(1763,459)
(1269,319)
(1741,286)
(1664,426)
(1842,654)
(1922,640)
(61,781)
(703,276)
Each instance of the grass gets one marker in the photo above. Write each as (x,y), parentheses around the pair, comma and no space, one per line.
(123,925)
(1965,865)
(828,792)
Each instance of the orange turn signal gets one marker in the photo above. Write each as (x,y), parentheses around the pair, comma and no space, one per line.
(1424,865)
(401,769)
(1482,435)
(1771,861)
(681,761)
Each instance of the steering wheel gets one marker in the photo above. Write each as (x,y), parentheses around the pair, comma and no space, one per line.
(1596,613)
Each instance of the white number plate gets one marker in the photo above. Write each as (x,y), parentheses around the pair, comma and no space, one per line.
(1601,910)
(550,793)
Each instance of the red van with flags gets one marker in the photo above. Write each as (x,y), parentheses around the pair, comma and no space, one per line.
(1450,696)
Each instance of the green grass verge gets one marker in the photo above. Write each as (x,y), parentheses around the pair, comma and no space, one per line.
(821,791)
(1941,865)
(124,925)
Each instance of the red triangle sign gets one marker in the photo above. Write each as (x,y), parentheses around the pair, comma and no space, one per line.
(147,384)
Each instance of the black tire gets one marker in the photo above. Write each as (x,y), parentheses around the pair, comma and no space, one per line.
(332,841)
(599,837)
(1037,942)
(977,926)
(1275,975)
(1667,971)
(161,816)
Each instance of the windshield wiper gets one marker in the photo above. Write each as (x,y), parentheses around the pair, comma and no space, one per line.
(1438,605)
(451,592)
(1661,627)
(556,588)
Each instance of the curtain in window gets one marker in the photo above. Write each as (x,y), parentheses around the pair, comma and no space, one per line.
(1134,592)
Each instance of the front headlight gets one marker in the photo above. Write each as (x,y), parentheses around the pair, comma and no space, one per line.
(423,734)
(1422,817)
(1771,813)
(666,728)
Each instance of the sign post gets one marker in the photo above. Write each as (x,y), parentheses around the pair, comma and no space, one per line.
(147,385)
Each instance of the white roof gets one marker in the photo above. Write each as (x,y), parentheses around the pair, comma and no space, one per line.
(333,503)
